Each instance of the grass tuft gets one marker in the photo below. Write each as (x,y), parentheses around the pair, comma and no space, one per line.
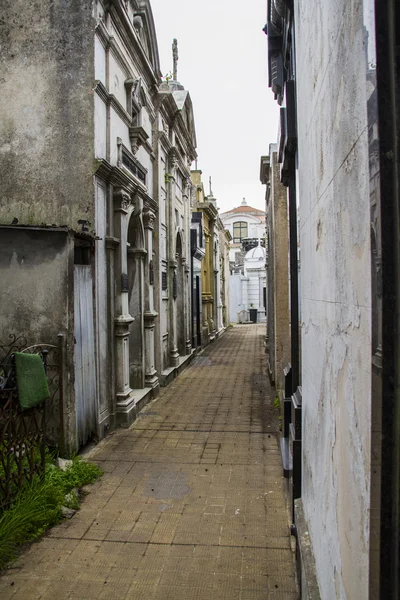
(38,506)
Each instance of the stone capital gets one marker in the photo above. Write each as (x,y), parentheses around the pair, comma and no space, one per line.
(122,200)
(149,218)
(186,186)
(149,318)
(172,159)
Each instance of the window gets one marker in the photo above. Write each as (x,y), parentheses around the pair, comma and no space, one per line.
(239,231)
(130,162)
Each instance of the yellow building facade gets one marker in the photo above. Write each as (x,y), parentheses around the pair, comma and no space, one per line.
(213,271)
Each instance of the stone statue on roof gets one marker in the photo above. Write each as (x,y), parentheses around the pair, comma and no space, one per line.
(175,58)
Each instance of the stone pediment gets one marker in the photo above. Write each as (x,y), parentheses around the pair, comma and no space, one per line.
(143,24)
(184,105)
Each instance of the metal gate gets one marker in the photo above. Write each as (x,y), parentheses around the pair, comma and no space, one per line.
(84,355)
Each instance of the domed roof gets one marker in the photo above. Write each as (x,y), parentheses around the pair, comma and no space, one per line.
(257,253)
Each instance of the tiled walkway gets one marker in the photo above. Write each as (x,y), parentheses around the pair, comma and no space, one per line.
(191,505)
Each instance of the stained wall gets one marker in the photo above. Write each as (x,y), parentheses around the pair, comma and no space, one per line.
(335,291)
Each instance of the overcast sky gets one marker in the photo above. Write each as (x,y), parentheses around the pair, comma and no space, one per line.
(223,64)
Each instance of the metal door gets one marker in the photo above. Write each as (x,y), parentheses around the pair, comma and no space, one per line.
(84,355)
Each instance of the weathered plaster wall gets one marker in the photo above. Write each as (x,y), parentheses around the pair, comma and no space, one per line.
(36,296)
(278,262)
(335,291)
(47,132)
(34,283)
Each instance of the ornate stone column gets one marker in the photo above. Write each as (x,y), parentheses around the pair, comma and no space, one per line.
(172,263)
(188,305)
(212,322)
(187,291)
(151,378)
(123,319)
(136,342)
(173,283)
(137,254)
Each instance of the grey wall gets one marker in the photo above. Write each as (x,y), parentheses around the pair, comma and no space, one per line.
(47,127)
(34,293)
(335,291)
(36,296)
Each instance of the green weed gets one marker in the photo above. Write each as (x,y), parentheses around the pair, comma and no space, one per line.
(38,506)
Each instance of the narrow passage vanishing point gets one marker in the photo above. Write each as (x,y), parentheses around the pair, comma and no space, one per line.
(191,505)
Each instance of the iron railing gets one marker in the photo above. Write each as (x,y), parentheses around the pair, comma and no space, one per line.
(24,434)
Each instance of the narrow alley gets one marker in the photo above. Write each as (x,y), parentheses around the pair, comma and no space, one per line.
(191,504)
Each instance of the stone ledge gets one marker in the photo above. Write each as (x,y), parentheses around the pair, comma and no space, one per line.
(305,556)
(169,374)
(139,399)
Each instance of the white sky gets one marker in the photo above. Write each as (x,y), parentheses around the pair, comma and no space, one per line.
(223,64)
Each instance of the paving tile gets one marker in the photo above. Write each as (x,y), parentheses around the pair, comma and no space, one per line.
(191,504)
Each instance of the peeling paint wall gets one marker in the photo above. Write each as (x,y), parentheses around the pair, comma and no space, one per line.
(335,291)
(47,130)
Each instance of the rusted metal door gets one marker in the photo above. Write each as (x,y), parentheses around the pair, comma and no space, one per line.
(84,355)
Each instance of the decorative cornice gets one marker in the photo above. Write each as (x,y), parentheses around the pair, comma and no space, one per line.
(112,243)
(184,137)
(108,41)
(119,57)
(112,101)
(101,90)
(148,202)
(102,33)
(122,177)
(138,137)
(164,141)
(131,40)
(102,168)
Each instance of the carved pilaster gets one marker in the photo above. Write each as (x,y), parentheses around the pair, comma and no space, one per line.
(122,206)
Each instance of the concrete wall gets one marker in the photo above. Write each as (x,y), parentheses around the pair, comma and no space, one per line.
(34,283)
(36,295)
(335,291)
(47,132)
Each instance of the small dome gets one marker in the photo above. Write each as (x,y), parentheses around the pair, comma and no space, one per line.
(257,253)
